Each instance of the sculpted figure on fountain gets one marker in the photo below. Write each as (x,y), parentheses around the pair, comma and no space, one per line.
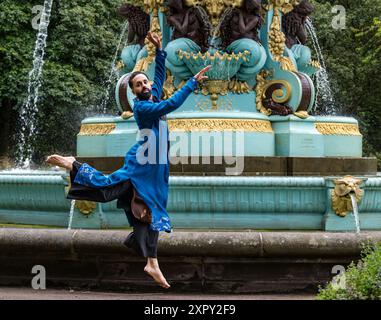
(138,27)
(294,27)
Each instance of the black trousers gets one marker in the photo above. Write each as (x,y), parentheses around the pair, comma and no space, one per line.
(142,239)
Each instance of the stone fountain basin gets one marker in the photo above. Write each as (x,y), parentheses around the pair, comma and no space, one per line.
(211,202)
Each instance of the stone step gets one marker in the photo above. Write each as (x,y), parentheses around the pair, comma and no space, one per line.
(230,262)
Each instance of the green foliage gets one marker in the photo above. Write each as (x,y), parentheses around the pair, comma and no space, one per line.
(361,281)
(353,62)
(81,43)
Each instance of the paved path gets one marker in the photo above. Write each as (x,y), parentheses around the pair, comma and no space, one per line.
(10,293)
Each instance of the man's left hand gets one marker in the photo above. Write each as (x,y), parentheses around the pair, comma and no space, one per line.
(200,75)
(154,38)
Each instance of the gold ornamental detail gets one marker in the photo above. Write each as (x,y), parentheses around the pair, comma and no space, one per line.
(341,194)
(215,8)
(279,95)
(277,39)
(150,6)
(284,5)
(328,128)
(189,125)
(215,88)
(126,115)
(260,91)
(85,207)
(214,56)
(96,129)
(238,87)
(169,87)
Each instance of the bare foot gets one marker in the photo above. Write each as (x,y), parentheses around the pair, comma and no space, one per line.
(63,162)
(156,274)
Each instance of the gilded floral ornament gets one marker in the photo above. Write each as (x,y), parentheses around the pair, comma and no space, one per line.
(328,128)
(341,194)
(215,88)
(214,8)
(215,56)
(144,63)
(315,64)
(238,87)
(126,115)
(248,125)
(301,114)
(151,5)
(284,5)
(95,129)
(260,91)
(277,43)
(85,207)
(119,65)
(168,88)
(277,39)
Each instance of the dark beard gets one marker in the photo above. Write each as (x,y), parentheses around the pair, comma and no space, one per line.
(144,95)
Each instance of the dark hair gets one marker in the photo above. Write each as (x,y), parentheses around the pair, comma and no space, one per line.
(133,75)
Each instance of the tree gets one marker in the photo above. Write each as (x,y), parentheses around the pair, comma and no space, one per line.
(81,43)
(353,63)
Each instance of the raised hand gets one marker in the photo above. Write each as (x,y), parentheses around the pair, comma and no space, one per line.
(154,38)
(200,75)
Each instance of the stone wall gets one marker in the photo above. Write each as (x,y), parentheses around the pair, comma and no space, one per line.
(230,262)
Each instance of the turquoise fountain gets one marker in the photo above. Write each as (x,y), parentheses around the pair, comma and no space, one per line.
(248,149)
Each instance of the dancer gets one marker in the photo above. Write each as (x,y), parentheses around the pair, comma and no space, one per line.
(145,181)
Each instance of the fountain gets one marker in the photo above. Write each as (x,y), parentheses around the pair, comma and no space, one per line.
(247,150)
(322,82)
(355,212)
(29,111)
(71,214)
(113,71)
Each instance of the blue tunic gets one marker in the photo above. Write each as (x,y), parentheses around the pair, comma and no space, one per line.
(146,163)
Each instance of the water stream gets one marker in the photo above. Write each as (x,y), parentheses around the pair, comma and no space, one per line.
(216,29)
(71,214)
(29,110)
(113,73)
(325,102)
(355,211)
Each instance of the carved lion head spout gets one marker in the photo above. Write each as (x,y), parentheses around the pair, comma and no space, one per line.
(341,195)
(293,23)
(346,185)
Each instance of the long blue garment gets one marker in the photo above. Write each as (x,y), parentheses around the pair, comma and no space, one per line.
(146,163)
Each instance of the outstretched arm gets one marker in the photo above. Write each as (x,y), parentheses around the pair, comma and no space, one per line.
(159,78)
(152,111)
